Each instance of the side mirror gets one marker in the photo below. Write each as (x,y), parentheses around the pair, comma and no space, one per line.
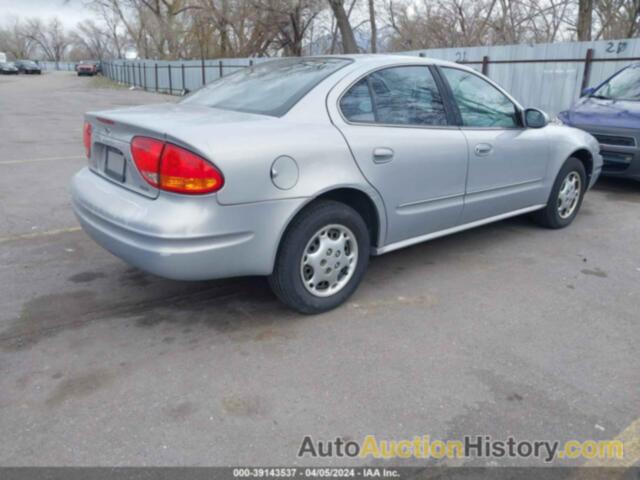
(587,91)
(534,118)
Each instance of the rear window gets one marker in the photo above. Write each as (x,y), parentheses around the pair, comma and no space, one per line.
(270,88)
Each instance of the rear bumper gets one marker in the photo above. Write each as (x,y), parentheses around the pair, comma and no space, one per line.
(181,237)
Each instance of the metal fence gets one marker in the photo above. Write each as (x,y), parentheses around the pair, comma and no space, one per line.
(173,77)
(547,76)
(65,66)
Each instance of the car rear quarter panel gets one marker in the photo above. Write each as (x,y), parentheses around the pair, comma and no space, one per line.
(245,153)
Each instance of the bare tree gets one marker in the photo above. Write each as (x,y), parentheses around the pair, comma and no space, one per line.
(374,29)
(91,38)
(50,38)
(172,29)
(585,16)
(616,19)
(14,41)
(241,27)
(292,19)
(549,19)
(346,32)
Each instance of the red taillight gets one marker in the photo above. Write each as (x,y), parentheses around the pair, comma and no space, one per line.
(185,172)
(146,154)
(173,168)
(86,138)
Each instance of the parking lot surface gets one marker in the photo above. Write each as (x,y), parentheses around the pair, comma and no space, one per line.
(505,330)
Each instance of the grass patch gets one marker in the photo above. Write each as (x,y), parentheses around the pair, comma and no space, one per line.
(103,82)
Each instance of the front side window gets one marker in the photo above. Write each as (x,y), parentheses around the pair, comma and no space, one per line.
(395,96)
(270,88)
(624,86)
(479,102)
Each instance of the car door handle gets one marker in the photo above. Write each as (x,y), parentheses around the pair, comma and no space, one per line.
(483,149)
(382,155)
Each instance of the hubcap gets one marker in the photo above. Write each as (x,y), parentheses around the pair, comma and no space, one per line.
(329,260)
(569,194)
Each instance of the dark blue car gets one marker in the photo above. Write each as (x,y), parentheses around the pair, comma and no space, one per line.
(611,113)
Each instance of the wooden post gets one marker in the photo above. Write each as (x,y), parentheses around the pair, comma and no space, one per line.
(144,73)
(170,82)
(182,76)
(485,65)
(220,68)
(203,76)
(587,70)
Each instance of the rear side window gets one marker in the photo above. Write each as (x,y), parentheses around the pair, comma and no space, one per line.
(270,88)
(395,96)
(356,105)
(480,103)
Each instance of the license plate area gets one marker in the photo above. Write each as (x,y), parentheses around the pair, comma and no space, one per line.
(114,164)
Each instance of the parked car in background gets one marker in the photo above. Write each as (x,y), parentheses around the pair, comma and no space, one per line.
(28,67)
(8,68)
(86,68)
(611,113)
(300,169)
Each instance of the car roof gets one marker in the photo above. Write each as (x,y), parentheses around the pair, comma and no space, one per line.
(376,59)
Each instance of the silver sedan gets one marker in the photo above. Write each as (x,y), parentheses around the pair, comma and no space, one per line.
(302,169)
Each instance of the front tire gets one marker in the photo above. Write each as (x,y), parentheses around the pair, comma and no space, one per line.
(322,257)
(566,196)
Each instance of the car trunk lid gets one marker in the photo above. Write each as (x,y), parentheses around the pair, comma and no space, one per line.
(113,130)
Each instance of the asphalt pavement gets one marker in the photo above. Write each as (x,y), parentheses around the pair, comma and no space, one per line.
(505,330)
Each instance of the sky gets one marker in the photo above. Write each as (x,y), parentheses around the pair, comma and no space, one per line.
(70,12)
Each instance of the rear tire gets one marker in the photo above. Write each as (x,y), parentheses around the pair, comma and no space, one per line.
(322,257)
(566,196)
